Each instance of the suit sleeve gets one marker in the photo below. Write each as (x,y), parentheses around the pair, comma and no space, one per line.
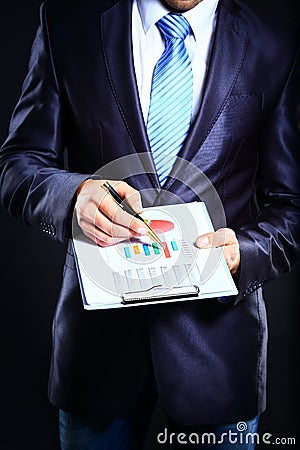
(33,183)
(270,245)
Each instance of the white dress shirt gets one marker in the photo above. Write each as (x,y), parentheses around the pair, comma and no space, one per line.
(148,45)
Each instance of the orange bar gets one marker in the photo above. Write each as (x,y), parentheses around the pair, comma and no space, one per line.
(166,250)
(136,249)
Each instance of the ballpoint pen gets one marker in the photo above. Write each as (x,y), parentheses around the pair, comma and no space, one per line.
(126,207)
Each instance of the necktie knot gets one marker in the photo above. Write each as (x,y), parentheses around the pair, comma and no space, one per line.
(174,26)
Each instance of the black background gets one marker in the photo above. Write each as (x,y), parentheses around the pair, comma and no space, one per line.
(30,271)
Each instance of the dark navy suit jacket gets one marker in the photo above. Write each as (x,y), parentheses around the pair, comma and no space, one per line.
(209,358)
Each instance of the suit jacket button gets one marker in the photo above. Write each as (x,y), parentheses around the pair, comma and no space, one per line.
(52,230)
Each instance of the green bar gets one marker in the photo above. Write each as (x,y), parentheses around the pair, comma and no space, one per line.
(155,248)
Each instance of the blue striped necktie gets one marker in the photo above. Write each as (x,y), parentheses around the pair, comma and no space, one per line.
(171,99)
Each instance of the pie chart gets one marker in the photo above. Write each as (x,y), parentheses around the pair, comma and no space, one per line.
(161,226)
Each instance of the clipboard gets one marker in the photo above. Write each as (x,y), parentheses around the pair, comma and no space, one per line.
(160,293)
(135,273)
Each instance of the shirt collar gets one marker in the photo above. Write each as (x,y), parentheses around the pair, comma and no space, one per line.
(152,10)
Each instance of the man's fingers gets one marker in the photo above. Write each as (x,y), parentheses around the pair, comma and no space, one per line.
(102,238)
(232,257)
(117,215)
(96,206)
(219,238)
(105,226)
(225,238)
(131,195)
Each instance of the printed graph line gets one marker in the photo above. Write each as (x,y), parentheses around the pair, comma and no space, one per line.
(143,279)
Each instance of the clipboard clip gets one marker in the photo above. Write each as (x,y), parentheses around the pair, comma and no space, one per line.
(159,293)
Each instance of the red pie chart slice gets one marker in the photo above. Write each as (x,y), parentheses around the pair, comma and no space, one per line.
(161,226)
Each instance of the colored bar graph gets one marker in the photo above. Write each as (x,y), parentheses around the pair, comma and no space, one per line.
(174,246)
(146,249)
(136,249)
(166,250)
(127,252)
(156,249)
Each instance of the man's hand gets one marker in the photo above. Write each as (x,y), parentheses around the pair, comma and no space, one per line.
(101,218)
(225,238)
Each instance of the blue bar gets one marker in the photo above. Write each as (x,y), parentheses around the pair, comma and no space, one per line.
(127,252)
(174,246)
(146,249)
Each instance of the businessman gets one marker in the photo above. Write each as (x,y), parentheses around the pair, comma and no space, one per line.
(198,93)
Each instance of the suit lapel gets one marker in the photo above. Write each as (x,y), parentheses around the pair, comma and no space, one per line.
(228,52)
(115,24)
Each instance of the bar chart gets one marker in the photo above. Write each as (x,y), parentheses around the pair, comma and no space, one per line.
(145,250)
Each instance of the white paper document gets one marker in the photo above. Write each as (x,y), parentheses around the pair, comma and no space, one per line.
(140,272)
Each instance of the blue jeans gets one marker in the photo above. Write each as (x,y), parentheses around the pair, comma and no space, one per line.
(82,433)
(128,433)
